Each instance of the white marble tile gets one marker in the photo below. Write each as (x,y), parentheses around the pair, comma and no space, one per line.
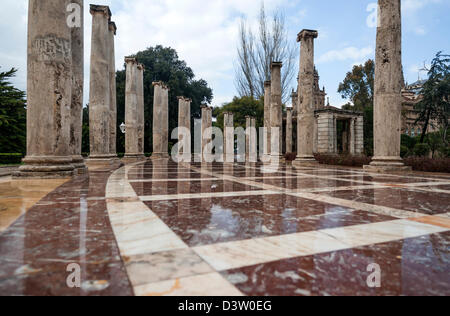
(211,284)
(238,254)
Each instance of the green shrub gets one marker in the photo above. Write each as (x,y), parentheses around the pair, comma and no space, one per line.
(421,150)
(404,150)
(409,142)
(426,164)
(11,159)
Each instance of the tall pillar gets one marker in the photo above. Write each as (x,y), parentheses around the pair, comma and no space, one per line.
(100,89)
(253,148)
(141,110)
(49,92)
(184,121)
(305,116)
(113,93)
(160,121)
(387,93)
(133,151)
(228,143)
(248,127)
(352,136)
(276,114)
(289,130)
(206,132)
(267,100)
(76,122)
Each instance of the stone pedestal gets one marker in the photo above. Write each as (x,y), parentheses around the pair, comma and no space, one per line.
(276,113)
(388,85)
(306,107)
(100,90)
(228,139)
(49,92)
(134,151)
(267,100)
(289,112)
(160,121)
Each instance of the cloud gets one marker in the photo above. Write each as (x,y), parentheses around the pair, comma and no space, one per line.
(349,53)
(410,6)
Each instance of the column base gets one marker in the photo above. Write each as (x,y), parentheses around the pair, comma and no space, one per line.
(44,167)
(103,162)
(159,156)
(306,161)
(133,158)
(387,164)
(79,165)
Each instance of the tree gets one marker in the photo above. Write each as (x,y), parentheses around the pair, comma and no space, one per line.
(257,52)
(435,102)
(12,116)
(241,107)
(358,86)
(162,64)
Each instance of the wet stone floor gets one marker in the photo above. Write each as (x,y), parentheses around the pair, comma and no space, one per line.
(158,228)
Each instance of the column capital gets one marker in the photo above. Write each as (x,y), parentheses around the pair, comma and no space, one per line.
(100,9)
(141,67)
(276,64)
(113,27)
(289,109)
(267,83)
(307,34)
(158,83)
(130,60)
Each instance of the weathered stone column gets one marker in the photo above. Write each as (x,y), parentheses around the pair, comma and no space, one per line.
(248,126)
(141,109)
(228,139)
(388,85)
(253,141)
(289,112)
(184,122)
(206,131)
(133,151)
(267,100)
(76,124)
(306,107)
(100,89)
(113,93)
(276,114)
(49,92)
(352,137)
(160,121)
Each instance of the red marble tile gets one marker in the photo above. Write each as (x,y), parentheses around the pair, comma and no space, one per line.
(207,221)
(417,266)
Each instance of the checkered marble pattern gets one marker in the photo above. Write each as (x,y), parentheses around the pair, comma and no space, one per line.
(236,229)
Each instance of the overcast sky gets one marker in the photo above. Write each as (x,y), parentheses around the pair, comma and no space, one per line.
(204,33)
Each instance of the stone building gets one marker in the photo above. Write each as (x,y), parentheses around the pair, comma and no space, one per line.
(335,130)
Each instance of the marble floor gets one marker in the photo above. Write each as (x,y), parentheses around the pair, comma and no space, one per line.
(162,229)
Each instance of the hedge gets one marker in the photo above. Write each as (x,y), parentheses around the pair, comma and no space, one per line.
(11,159)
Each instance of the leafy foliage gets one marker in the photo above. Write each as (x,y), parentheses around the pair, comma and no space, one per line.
(12,115)
(241,107)
(435,104)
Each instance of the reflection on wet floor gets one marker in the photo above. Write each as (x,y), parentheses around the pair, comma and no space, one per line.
(159,228)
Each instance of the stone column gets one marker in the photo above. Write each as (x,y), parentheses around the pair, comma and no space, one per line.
(141,110)
(206,131)
(113,93)
(132,112)
(388,85)
(253,141)
(248,126)
(184,121)
(160,121)
(352,136)
(76,123)
(359,135)
(267,100)
(276,114)
(228,140)
(289,112)
(306,107)
(49,92)
(100,93)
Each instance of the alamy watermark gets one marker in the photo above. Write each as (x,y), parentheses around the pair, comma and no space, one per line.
(74,15)
(374,279)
